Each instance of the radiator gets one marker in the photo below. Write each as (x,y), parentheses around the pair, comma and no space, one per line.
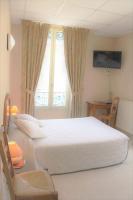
(125,116)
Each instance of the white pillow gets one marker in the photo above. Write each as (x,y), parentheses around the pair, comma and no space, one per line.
(30,128)
(25,117)
(29,118)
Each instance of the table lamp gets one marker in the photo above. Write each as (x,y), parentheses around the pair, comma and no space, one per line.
(14,110)
(16,155)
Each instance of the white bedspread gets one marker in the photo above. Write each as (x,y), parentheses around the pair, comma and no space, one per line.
(79,144)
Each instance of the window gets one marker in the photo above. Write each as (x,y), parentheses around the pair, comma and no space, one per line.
(52,85)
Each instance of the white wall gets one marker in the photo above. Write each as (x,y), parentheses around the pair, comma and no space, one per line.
(4,54)
(122,80)
(15,72)
(96,81)
(124,120)
(122,84)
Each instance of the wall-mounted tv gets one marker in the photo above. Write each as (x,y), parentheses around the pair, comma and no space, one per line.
(107,59)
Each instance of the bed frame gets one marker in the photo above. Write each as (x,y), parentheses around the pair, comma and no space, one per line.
(6,121)
(6,113)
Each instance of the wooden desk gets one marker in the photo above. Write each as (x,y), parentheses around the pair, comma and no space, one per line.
(93,106)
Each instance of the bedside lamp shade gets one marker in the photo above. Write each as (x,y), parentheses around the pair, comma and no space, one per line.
(14,110)
(16,154)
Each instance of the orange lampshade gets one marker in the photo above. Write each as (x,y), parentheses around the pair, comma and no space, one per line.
(14,110)
(16,154)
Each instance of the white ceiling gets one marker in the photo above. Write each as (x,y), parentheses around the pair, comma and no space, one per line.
(106,17)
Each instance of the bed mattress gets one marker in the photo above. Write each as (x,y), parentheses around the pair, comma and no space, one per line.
(77,144)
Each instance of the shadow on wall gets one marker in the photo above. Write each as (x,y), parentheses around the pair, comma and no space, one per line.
(125,116)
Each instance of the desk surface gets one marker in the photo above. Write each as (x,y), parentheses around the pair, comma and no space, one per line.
(100,102)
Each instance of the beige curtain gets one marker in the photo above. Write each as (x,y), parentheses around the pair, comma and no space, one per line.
(75,44)
(33,49)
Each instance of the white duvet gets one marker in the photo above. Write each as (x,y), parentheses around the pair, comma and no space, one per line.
(78,144)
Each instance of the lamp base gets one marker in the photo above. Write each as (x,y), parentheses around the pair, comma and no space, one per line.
(19,165)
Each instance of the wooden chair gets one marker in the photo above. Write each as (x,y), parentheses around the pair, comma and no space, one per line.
(32,185)
(110,118)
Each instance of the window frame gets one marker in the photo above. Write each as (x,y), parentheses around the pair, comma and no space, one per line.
(53,30)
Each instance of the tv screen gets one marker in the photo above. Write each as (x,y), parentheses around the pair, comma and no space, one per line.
(107,59)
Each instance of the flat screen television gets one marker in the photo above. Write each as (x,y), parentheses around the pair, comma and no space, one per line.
(107,59)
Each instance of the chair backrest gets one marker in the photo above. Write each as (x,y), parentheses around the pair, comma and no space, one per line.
(113,111)
(114,106)
(7,164)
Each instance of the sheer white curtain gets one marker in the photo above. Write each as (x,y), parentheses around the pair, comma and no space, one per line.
(33,47)
(75,45)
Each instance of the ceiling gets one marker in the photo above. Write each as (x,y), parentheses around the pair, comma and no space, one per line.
(105,17)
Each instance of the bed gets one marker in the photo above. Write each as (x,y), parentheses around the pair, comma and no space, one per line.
(72,145)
